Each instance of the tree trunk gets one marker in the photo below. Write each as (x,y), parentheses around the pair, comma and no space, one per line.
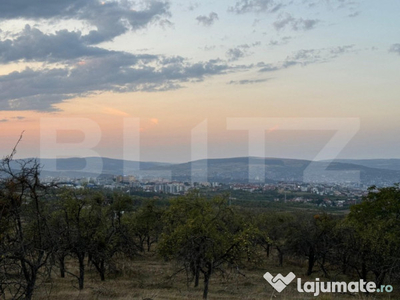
(148,243)
(323,267)
(29,290)
(344,264)
(196,277)
(280,255)
(311,261)
(103,270)
(30,285)
(89,260)
(268,250)
(141,242)
(62,266)
(364,271)
(100,267)
(206,282)
(81,258)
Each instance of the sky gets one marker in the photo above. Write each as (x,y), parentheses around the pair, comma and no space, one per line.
(188,75)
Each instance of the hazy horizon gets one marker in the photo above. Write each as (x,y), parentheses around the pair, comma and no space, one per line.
(174,80)
(210,158)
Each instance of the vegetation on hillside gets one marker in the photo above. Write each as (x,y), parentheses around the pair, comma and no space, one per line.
(49,233)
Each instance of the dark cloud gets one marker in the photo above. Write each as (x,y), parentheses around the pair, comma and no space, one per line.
(395,48)
(257,6)
(247,81)
(111,19)
(86,69)
(33,45)
(42,89)
(286,20)
(34,9)
(3,120)
(207,21)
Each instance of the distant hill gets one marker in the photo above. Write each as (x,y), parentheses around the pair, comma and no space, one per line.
(387,164)
(228,169)
(93,166)
(276,169)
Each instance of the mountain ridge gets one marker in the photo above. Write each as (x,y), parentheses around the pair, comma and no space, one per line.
(234,169)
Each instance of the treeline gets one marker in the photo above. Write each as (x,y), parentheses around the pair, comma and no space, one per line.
(42,227)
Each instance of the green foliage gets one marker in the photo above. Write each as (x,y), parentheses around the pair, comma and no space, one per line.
(203,235)
(376,224)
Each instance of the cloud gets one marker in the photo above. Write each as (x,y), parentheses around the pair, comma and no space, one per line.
(336,51)
(119,72)
(207,21)
(268,67)
(395,48)
(283,41)
(333,4)
(193,5)
(73,64)
(306,57)
(115,112)
(255,6)
(235,53)
(354,14)
(33,45)
(287,19)
(247,81)
(13,118)
(166,24)
(208,48)
(111,18)
(240,51)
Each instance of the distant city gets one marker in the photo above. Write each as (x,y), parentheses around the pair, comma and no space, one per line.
(282,179)
(334,195)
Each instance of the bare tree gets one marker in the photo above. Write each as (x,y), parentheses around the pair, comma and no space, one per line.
(25,242)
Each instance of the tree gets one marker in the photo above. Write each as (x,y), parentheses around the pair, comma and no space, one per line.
(25,239)
(376,223)
(82,216)
(105,241)
(147,225)
(312,238)
(273,232)
(204,235)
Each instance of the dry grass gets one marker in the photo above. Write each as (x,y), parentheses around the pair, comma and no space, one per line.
(149,277)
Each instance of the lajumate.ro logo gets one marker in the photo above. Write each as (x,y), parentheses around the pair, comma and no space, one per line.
(280,282)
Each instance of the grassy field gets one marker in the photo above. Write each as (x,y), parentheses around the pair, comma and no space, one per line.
(149,277)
